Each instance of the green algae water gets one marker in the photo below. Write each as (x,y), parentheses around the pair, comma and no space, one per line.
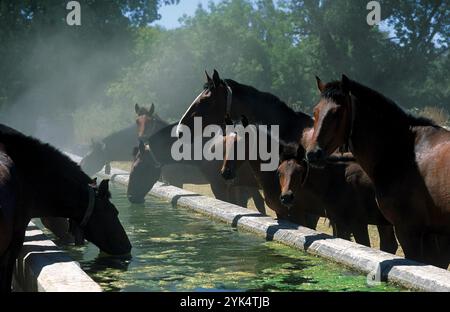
(175,249)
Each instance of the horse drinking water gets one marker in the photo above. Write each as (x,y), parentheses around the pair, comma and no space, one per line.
(36,180)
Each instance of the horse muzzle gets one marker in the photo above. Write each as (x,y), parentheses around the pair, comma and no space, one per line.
(287,199)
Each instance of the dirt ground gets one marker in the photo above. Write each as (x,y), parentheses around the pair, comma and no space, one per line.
(322,226)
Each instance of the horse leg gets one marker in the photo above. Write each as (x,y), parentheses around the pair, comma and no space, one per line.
(411,240)
(239,196)
(257,199)
(311,221)
(436,250)
(361,234)
(388,242)
(221,192)
(341,231)
(8,261)
(424,247)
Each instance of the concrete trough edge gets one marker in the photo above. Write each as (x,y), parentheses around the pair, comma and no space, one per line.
(44,267)
(375,263)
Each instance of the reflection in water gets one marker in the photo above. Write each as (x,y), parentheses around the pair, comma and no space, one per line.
(178,250)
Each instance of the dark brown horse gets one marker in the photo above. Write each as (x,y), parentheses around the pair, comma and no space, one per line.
(178,174)
(341,190)
(407,158)
(157,156)
(118,146)
(267,180)
(37,180)
(228,97)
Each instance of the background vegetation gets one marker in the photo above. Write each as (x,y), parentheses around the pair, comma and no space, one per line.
(92,77)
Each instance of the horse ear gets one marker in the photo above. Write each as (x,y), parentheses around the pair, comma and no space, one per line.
(137,109)
(216,78)
(152,109)
(94,182)
(208,78)
(345,82)
(244,120)
(103,188)
(320,84)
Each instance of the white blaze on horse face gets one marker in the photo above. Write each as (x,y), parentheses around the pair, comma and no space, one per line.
(178,130)
(213,149)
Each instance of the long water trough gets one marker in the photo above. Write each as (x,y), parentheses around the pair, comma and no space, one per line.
(178,249)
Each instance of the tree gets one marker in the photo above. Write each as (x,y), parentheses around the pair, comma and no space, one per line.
(49,68)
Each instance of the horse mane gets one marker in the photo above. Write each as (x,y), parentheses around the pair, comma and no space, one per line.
(385,105)
(32,156)
(262,97)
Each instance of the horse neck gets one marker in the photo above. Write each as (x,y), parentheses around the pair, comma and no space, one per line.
(56,196)
(291,123)
(266,179)
(159,124)
(378,139)
(119,145)
(161,145)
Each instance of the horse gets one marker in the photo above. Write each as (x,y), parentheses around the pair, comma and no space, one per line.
(406,157)
(227,97)
(37,180)
(114,147)
(170,172)
(150,160)
(267,180)
(340,191)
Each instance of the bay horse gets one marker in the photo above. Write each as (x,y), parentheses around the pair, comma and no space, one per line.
(227,97)
(36,180)
(171,171)
(156,156)
(340,191)
(267,180)
(407,158)
(119,145)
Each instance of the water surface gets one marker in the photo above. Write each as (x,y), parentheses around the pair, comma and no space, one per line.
(175,249)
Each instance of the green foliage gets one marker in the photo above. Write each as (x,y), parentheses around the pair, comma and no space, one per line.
(279,48)
(112,62)
(51,69)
